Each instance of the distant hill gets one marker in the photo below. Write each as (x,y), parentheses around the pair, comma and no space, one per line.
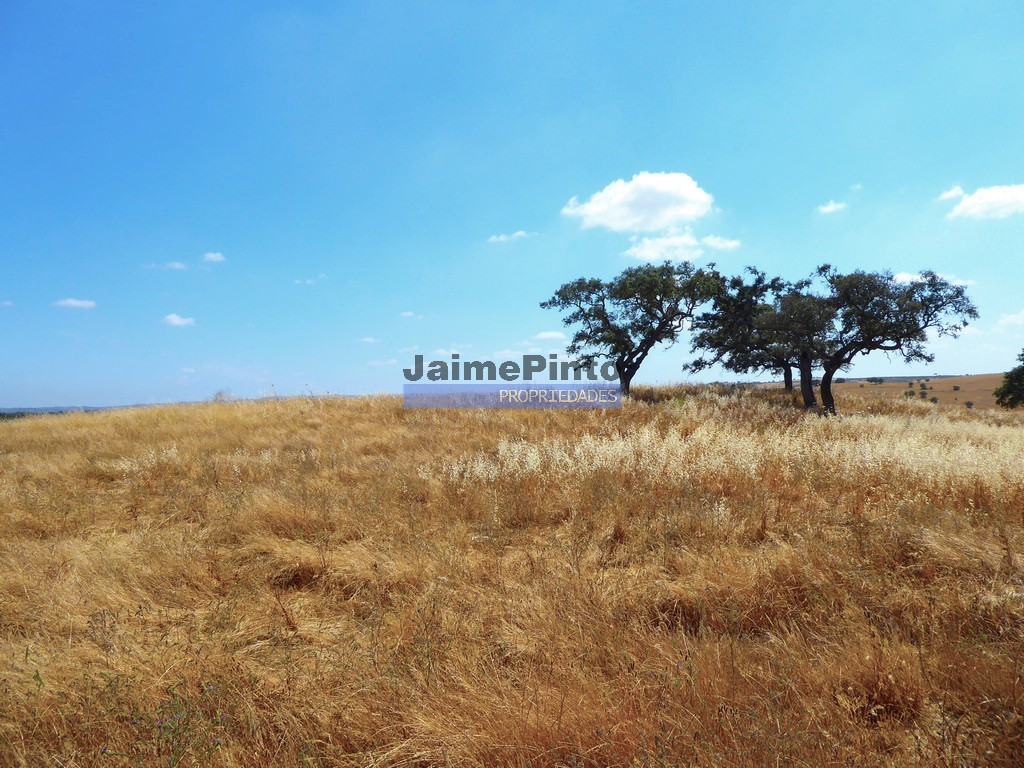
(17,413)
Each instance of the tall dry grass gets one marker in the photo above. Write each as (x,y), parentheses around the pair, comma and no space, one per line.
(707,578)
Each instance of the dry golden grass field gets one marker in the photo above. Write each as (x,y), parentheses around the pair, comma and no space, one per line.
(706,577)
(976,389)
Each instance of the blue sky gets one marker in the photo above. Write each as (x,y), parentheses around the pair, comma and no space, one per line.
(294,197)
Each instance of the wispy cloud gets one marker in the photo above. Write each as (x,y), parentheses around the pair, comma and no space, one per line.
(75,303)
(187,370)
(550,335)
(1008,321)
(214,256)
(453,349)
(405,350)
(6,303)
(517,235)
(720,243)
(913,277)
(304,281)
(175,265)
(178,321)
(987,202)
(370,340)
(680,246)
(649,202)
(831,207)
(379,363)
(410,315)
(953,193)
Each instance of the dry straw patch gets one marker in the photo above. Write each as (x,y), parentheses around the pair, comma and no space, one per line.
(709,577)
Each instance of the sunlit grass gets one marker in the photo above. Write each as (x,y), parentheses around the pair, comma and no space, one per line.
(706,577)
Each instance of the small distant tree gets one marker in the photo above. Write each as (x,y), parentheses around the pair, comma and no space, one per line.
(1010,394)
(624,318)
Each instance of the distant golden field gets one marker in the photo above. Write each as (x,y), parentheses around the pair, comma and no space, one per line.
(976,389)
(706,577)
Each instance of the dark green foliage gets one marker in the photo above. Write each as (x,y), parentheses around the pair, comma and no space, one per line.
(873,312)
(1010,394)
(624,318)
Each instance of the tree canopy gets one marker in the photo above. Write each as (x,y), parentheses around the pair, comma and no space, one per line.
(825,321)
(737,331)
(622,319)
(1010,394)
(872,311)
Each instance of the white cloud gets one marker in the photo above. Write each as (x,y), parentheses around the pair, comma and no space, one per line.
(6,303)
(953,193)
(831,207)
(188,370)
(178,321)
(214,256)
(912,277)
(175,265)
(649,202)
(720,243)
(1006,321)
(410,315)
(304,281)
(378,363)
(681,247)
(75,303)
(369,340)
(404,350)
(990,203)
(550,335)
(503,238)
(857,187)
(453,349)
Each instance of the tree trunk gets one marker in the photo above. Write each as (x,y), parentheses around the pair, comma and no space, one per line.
(826,390)
(787,377)
(626,373)
(806,381)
